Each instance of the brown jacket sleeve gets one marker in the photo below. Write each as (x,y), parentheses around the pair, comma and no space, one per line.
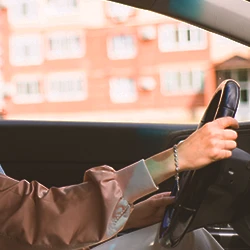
(72,217)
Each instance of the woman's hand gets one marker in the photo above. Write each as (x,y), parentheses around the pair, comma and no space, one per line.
(150,211)
(212,142)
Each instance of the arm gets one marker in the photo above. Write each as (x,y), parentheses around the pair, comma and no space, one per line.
(34,217)
(213,142)
(95,210)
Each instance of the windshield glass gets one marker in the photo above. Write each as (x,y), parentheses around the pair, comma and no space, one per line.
(91,60)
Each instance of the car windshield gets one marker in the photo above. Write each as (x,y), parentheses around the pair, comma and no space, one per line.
(93,60)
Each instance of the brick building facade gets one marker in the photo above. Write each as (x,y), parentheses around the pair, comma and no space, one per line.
(70,58)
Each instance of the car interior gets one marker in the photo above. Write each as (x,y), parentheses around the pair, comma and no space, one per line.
(43,151)
(57,153)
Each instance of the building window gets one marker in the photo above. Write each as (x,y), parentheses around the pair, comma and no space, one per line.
(67,87)
(244,95)
(62,7)
(65,45)
(239,75)
(242,75)
(122,47)
(28,90)
(123,90)
(182,82)
(23,10)
(181,37)
(26,50)
(119,12)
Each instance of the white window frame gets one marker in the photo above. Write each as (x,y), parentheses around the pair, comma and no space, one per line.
(122,51)
(64,39)
(27,98)
(186,81)
(16,15)
(64,78)
(29,44)
(62,7)
(167,37)
(173,37)
(119,12)
(197,37)
(120,96)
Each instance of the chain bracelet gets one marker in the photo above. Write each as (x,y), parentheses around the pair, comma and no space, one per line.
(177,177)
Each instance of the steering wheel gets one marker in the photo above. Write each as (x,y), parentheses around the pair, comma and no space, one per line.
(205,195)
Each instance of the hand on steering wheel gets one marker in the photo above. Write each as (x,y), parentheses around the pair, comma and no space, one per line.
(194,184)
(213,144)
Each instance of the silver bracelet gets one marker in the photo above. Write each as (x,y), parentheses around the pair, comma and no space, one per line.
(177,169)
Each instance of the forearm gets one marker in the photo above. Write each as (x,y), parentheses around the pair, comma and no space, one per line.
(161,166)
(213,142)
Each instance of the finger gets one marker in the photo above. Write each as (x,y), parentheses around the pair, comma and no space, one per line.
(163,202)
(230,134)
(161,195)
(223,149)
(225,122)
(226,154)
(229,145)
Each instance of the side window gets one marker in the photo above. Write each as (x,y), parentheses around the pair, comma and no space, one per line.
(95,60)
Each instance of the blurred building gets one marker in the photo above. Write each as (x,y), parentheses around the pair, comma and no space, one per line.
(3,57)
(96,60)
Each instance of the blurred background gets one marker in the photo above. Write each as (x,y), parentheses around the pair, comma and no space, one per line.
(93,60)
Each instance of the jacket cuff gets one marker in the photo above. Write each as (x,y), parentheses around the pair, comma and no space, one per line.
(136,181)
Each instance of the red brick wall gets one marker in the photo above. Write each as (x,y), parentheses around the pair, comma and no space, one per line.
(99,68)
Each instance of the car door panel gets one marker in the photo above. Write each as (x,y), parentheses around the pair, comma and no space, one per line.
(58,153)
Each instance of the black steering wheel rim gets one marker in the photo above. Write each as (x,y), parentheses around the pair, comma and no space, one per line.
(178,217)
(225,102)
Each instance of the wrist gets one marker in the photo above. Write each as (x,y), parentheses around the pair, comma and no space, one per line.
(161,166)
(182,164)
